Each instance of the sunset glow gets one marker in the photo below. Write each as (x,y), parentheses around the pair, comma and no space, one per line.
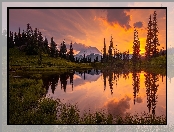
(88,27)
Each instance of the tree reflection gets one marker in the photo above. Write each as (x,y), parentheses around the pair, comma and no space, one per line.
(52,81)
(151,90)
(71,79)
(136,83)
(111,82)
(112,76)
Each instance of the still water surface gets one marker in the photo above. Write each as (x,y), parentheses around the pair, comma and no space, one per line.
(116,93)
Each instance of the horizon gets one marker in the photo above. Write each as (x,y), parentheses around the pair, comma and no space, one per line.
(89,27)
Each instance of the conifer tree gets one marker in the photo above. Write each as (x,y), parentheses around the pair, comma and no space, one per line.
(104,50)
(155,36)
(149,40)
(136,47)
(71,52)
(152,41)
(19,39)
(46,47)
(53,48)
(110,48)
(63,50)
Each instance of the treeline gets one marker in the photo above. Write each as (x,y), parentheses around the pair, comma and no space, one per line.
(151,47)
(33,43)
(113,54)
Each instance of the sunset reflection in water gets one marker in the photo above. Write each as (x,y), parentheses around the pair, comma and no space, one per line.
(115,93)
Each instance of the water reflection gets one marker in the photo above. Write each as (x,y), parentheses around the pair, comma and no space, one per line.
(86,88)
(136,84)
(151,90)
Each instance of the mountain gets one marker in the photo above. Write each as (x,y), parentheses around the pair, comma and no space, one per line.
(89,51)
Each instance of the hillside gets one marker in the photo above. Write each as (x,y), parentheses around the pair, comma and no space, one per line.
(30,62)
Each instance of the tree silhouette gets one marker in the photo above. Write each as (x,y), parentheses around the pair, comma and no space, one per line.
(151,90)
(136,48)
(53,48)
(104,51)
(71,78)
(152,41)
(110,49)
(110,80)
(104,79)
(136,84)
(149,40)
(155,39)
(46,47)
(54,82)
(71,52)
(63,80)
(63,50)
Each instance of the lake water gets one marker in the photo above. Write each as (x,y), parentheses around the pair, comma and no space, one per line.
(114,92)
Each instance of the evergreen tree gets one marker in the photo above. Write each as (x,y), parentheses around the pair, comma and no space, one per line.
(46,47)
(136,47)
(149,40)
(31,41)
(24,38)
(40,42)
(19,39)
(110,48)
(155,39)
(152,41)
(63,50)
(53,48)
(71,52)
(104,50)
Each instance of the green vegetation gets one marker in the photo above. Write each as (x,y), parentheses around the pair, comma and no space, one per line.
(29,105)
(20,61)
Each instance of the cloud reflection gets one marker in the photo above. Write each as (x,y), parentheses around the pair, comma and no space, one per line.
(120,107)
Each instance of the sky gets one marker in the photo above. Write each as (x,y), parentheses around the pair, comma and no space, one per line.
(89,27)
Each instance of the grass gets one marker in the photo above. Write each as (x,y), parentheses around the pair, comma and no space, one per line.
(19,61)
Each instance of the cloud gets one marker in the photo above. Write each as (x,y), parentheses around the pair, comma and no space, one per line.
(78,46)
(139,100)
(118,108)
(138,24)
(119,16)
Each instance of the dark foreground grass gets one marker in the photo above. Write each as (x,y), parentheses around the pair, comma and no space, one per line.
(29,105)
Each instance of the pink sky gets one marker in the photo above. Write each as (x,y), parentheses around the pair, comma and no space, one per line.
(88,27)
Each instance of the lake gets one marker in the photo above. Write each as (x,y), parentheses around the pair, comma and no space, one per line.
(115,92)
